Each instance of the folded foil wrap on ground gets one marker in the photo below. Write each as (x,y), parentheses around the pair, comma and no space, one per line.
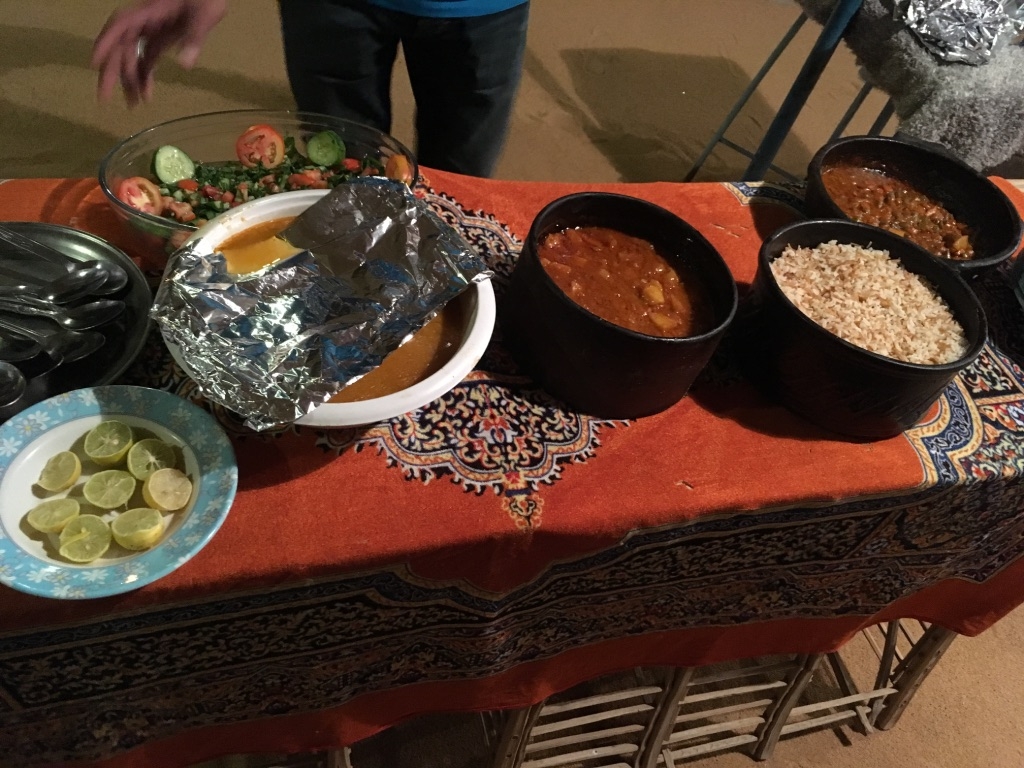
(964,31)
(377,264)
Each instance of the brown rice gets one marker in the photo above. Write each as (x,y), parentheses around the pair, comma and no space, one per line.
(868,299)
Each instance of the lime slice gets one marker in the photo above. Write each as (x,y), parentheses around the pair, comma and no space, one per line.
(138,528)
(167,490)
(61,471)
(108,442)
(149,455)
(109,489)
(84,539)
(51,516)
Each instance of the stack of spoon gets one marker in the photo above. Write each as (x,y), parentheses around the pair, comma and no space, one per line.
(50,307)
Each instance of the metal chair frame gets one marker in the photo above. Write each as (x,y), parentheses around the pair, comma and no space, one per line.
(762,158)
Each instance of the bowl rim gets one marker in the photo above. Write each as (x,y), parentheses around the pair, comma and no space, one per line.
(974,348)
(479,326)
(265,114)
(941,154)
(550,284)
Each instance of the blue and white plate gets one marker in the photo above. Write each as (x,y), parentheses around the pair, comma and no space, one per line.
(28,559)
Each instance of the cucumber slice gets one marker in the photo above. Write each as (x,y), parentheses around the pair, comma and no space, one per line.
(171,165)
(325,148)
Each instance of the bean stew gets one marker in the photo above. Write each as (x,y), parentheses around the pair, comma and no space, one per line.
(873,197)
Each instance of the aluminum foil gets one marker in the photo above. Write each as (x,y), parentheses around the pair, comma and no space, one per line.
(375,265)
(964,31)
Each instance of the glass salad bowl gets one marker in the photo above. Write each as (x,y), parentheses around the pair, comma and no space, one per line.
(165,181)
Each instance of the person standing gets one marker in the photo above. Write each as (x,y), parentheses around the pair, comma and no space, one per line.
(464,59)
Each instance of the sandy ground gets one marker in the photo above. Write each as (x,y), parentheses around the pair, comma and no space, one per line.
(611,90)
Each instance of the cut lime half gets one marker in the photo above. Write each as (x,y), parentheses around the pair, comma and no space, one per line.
(52,515)
(108,442)
(60,472)
(84,539)
(167,490)
(149,455)
(138,528)
(109,489)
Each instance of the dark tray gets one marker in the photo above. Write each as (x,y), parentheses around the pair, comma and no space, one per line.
(126,334)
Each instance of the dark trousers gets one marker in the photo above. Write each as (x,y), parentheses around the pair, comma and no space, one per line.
(464,73)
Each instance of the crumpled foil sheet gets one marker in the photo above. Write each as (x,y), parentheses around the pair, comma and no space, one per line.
(964,31)
(376,265)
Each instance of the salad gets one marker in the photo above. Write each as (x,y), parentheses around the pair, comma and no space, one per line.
(192,193)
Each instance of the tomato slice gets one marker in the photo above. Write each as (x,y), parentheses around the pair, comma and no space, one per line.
(181,211)
(311,178)
(399,168)
(141,194)
(260,144)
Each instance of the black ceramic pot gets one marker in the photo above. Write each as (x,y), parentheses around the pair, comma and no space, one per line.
(593,365)
(971,197)
(828,381)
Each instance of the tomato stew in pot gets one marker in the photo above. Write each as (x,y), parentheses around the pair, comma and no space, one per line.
(873,197)
(625,281)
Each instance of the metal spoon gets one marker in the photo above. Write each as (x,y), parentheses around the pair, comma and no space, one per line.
(36,364)
(62,345)
(115,278)
(80,318)
(12,384)
(13,348)
(69,287)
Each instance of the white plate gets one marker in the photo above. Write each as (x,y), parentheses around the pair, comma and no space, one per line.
(479,324)
(28,559)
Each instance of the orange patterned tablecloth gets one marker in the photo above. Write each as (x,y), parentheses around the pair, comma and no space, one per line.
(495,547)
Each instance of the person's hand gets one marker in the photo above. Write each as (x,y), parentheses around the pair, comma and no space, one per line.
(132,40)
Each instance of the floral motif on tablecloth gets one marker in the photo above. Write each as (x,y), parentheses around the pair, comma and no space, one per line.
(513,437)
(488,433)
(977,433)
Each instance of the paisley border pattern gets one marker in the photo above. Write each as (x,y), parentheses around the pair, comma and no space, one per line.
(977,432)
(785,193)
(70,693)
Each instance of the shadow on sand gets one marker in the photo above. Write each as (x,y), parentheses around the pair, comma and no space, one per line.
(652,113)
(39,143)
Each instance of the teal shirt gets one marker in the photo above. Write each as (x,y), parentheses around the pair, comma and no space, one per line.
(448,9)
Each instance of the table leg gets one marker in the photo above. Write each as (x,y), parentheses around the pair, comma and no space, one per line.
(339,758)
(663,718)
(778,714)
(514,736)
(916,666)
